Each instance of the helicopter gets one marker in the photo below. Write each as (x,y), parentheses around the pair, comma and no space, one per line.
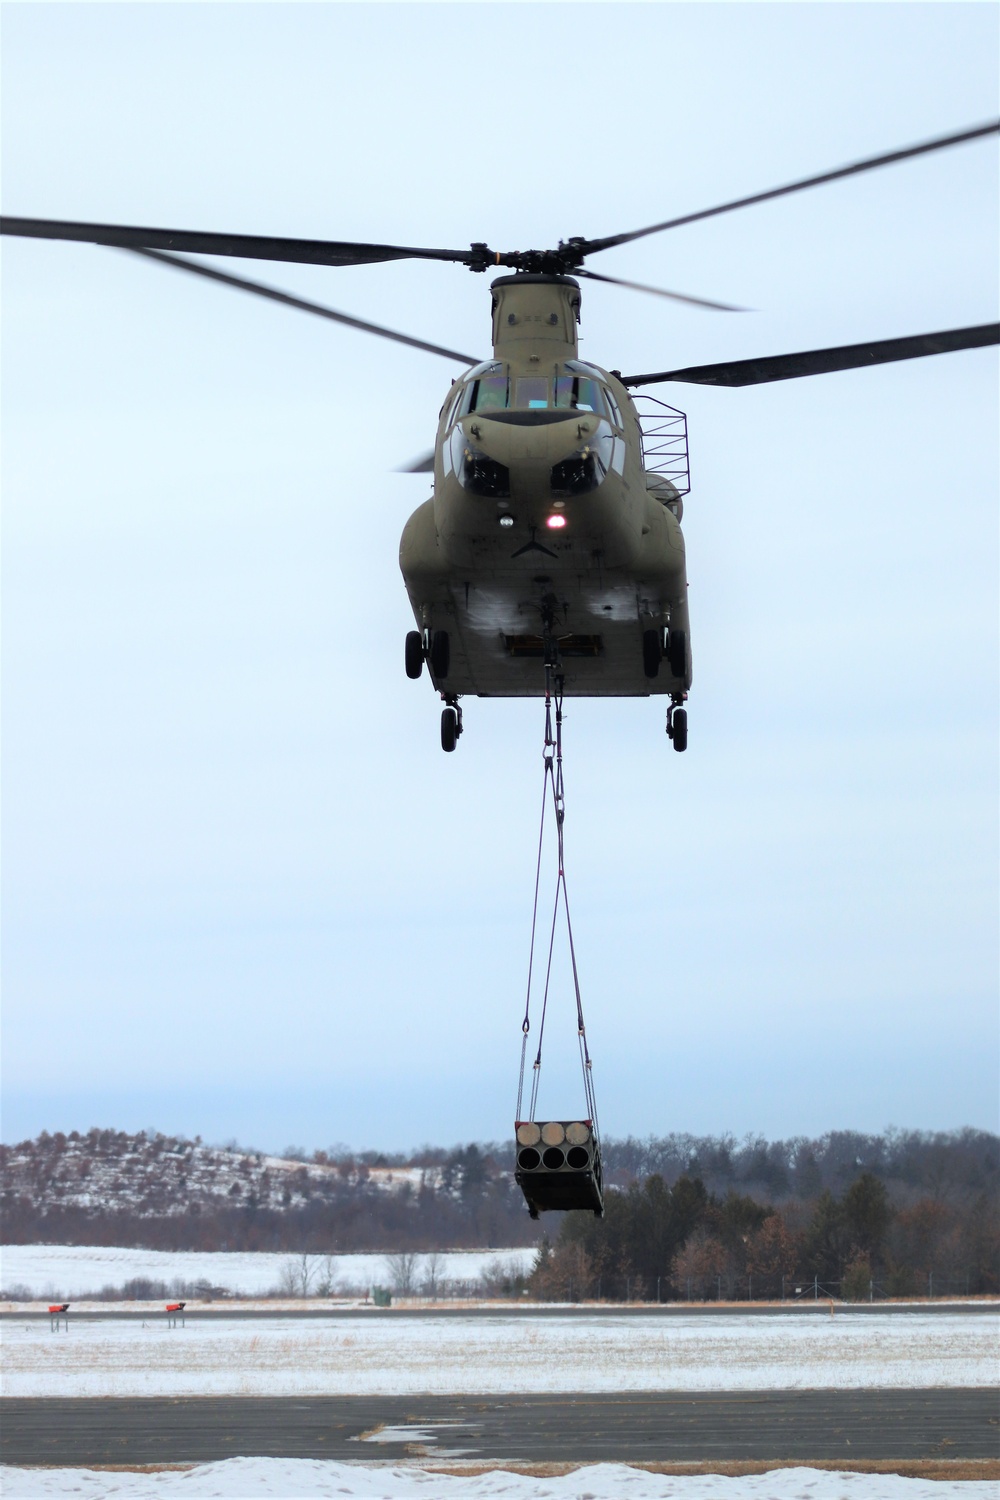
(551,549)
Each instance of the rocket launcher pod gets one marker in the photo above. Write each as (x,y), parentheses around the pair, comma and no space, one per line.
(559,1166)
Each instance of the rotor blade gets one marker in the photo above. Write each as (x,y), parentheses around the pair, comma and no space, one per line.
(248,246)
(274,295)
(588,247)
(824,361)
(639,286)
(422,465)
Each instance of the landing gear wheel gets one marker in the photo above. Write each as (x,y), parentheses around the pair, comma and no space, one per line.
(677,652)
(449,728)
(414,654)
(440,654)
(679,728)
(651,652)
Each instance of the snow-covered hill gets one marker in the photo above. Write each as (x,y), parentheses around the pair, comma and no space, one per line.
(162,1192)
(161,1175)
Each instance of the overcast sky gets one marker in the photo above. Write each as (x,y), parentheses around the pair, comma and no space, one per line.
(245,892)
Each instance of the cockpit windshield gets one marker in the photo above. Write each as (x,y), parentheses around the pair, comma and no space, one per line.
(574,387)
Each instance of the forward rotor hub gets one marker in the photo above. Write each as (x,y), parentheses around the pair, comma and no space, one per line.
(567,257)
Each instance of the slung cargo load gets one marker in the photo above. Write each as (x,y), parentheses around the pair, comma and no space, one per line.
(559,1166)
(558,1162)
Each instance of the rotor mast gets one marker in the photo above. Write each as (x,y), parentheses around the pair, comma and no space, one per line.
(535,314)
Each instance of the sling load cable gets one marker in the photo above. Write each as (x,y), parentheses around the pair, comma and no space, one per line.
(552,783)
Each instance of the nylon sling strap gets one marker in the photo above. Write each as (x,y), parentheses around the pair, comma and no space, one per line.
(552,787)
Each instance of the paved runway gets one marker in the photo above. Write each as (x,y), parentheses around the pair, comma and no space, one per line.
(805,1425)
(802,1309)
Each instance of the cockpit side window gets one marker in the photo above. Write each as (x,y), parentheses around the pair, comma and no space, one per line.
(452,405)
(490,393)
(579,393)
(487,393)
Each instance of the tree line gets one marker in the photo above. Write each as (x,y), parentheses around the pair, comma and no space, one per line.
(899,1213)
(660,1242)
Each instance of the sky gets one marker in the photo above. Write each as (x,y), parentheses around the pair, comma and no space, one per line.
(245,894)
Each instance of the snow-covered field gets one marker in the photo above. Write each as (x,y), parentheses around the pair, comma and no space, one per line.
(301,1479)
(73,1271)
(397,1354)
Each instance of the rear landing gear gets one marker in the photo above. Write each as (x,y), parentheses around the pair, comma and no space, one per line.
(677,726)
(451,726)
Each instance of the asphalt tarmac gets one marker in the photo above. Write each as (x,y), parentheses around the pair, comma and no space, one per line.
(799,1309)
(702,1426)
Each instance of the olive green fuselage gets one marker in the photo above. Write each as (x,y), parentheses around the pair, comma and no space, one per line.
(544,520)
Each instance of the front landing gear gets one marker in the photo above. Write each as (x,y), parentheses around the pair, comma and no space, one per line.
(451,724)
(677,725)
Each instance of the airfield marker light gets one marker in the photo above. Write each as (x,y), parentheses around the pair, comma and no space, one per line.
(175,1310)
(555,523)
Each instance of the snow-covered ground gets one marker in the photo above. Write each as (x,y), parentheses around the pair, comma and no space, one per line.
(73,1271)
(397,1354)
(290,1479)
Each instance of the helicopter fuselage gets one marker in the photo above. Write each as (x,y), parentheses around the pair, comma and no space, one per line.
(545,528)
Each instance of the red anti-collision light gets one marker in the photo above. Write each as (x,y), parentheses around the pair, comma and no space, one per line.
(556,523)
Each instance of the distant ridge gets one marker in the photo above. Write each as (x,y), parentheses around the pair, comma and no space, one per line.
(166,1192)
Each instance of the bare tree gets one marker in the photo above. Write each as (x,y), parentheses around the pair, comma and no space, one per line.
(326,1279)
(699,1264)
(401,1269)
(297,1276)
(500,1278)
(433,1274)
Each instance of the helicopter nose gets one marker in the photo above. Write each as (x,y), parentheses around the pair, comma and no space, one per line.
(516,443)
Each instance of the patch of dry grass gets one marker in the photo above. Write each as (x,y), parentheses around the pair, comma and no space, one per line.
(916,1468)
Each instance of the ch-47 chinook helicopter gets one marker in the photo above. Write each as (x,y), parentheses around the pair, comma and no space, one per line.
(553,536)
